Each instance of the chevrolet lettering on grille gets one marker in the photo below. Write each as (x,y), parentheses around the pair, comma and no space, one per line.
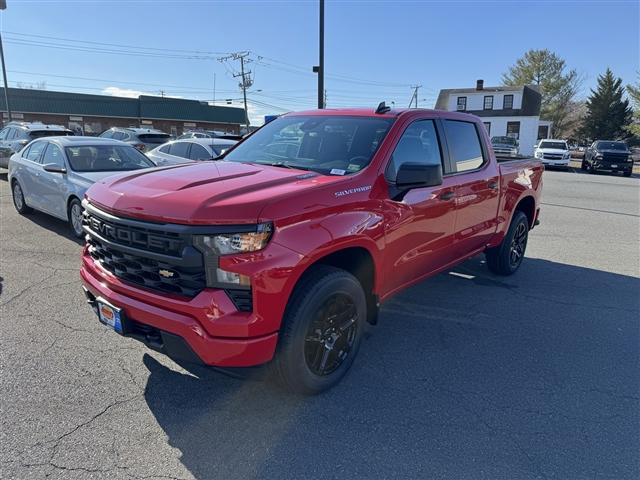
(133,237)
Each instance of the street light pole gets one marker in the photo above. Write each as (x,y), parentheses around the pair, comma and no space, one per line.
(321,59)
(3,6)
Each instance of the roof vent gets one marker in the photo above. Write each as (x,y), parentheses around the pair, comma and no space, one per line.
(479,84)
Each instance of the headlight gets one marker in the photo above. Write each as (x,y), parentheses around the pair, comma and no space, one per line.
(228,243)
(538,155)
(212,246)
(598,157)
(566,155)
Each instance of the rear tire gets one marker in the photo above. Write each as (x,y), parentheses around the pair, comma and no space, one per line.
(18,199)
(322,331)
(507,257)
(75,218)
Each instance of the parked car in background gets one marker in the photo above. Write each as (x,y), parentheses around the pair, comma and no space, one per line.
(52,174)
(189,150)
(144,139)
(552,153)
(608,156)
(209,134)
(15,135)
(284,258)
(578,151)
(505,146)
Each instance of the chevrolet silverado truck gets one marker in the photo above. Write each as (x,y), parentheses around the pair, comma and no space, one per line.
(282,256)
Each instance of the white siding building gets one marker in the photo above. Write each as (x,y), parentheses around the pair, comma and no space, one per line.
(505,111)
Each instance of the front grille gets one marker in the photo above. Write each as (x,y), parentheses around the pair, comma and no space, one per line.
(242,299)
(614,158)
(552,156)
(147,272)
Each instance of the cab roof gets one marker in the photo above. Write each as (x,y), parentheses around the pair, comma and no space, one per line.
(371,112)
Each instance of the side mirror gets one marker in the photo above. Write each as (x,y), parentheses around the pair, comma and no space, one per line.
(54,168)
(418,175)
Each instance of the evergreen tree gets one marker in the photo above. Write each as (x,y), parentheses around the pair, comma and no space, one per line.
(608,115)
(558,86)
(634,94)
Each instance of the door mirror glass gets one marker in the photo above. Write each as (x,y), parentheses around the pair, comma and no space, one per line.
(417,175)
(54,168)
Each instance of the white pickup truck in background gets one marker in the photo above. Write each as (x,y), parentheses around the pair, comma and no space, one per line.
(552,153)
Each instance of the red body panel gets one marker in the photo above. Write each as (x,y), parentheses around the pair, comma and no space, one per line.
(313,215)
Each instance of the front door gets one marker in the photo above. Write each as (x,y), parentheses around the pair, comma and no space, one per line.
(53,184)
(419,225)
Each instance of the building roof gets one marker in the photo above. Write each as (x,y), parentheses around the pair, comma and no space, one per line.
(147,107)
(531,100)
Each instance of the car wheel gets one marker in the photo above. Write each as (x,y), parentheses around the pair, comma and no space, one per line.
(322,331)
(583,165)
(627,173)
(75,218)
(507,257)
(18,199)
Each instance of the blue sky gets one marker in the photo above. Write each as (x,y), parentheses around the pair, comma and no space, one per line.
(374,50)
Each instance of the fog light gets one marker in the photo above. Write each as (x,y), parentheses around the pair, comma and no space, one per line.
(230,277)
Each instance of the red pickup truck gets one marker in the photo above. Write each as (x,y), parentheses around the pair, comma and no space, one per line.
(281,251)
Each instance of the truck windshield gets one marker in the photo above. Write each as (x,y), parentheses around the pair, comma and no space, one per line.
(503,141)
(611,146)
(331,145)
(556,145)
(106,158)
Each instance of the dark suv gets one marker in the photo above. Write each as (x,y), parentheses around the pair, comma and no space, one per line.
(608,156)
(144,139)
(16,135)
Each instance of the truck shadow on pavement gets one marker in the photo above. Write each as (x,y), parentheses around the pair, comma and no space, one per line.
(468,375)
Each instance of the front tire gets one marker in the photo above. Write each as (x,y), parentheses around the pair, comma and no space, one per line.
(322,331)
(18,199)
(507,257)
(627,174)
(75,218)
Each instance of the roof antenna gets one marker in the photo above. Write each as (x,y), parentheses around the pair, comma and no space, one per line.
(382,108)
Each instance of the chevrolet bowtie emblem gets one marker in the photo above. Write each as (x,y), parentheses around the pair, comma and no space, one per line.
(166,273)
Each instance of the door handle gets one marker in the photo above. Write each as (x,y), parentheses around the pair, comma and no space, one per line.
(446,195)
(492,185)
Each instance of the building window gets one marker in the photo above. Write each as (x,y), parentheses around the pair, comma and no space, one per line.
(507,102)
(513,130)
(487,125)
(543,131)
(488,102)
(462,104)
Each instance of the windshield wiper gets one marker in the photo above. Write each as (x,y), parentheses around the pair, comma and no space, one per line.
(286,165)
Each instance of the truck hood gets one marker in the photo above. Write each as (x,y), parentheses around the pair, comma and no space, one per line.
(202,192)
(614,152)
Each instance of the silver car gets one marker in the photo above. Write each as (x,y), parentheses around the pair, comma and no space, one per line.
(16,135)
(52,174)
(144,139)
(189,150)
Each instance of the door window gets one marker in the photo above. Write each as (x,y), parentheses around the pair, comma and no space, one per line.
(53,155)
(198,152)
(464,145)
(418,144)
(35,151)
(180,149)
(4,133)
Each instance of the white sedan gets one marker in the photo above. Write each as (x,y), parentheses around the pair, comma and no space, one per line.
(189,150)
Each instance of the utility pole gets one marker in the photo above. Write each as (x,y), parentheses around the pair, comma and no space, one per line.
(246,80)
(319,69)
(3,6)
(415,95)
(214,88)
(162,93)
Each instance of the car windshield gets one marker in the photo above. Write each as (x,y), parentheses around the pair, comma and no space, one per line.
(611,146)
(503,141)
(555,145)
(106,158)
(49,133)
(332,145)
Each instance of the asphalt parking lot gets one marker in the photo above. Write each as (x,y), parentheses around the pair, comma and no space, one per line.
(468,375)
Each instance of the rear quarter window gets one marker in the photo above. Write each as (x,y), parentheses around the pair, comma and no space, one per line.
(464,145)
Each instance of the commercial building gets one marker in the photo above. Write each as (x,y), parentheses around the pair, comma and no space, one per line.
(92,114)
(505,111)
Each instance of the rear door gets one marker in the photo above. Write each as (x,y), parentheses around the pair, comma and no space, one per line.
(30,177)
(420,224)
(477,190)
(5,151)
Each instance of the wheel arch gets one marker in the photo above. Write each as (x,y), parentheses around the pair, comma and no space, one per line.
(72,196)
(526,205)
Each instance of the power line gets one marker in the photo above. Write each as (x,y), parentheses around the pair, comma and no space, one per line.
(245,77)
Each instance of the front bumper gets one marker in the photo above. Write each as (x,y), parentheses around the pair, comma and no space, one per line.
(182,327)
(564,162)
(609,166)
